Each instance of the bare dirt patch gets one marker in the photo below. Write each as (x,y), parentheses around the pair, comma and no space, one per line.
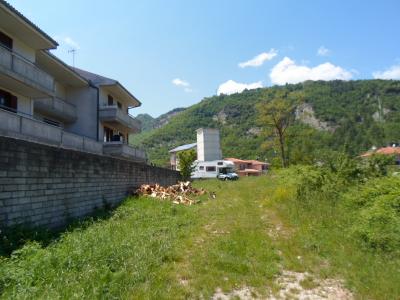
(293,285)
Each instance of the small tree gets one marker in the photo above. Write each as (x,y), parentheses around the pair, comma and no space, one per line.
(186,160)
(276,115)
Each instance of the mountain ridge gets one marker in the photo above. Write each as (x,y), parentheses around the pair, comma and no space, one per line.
(349,116)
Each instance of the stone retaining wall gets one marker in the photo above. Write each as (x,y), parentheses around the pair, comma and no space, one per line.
(48,186)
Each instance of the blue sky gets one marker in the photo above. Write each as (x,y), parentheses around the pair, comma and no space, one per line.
(173,53)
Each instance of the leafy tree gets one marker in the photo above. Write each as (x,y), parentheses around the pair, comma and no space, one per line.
(186,160)
(277,115)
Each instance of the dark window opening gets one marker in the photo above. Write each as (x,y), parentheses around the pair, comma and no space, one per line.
(108,134)
(211,169)
(201,168)
(110,100)
(6,41)
(119,105)
(111,135)
(8,101)
(220,163)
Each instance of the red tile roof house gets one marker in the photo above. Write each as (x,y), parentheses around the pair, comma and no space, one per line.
(249,167)
(391,150)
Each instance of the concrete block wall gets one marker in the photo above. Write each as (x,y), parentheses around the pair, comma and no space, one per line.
(47,186)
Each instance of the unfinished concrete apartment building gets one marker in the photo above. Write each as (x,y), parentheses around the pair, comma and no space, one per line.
(44,100)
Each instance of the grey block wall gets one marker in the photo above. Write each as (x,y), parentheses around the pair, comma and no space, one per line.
(47,186)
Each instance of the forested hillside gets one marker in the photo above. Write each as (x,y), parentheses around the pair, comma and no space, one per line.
(150,123)
(348,116)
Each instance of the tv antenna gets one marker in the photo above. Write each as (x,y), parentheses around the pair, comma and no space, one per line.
(73,51)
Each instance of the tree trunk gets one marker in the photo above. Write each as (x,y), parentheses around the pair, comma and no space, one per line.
(282,146)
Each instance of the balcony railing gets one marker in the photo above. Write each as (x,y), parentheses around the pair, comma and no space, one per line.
(25,127)
(57,108)
(21,67)
(124,150)
(113,114)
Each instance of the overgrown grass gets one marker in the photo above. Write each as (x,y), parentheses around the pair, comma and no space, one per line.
(148,249)
(152,249)
(323,240)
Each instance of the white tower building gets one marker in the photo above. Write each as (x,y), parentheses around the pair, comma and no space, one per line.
(208,144)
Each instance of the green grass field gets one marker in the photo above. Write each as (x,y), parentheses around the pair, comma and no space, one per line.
(148,249)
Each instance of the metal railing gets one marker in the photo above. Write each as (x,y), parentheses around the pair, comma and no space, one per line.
(23,67)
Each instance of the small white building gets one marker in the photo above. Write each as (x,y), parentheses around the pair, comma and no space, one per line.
(208,147)
(208,144)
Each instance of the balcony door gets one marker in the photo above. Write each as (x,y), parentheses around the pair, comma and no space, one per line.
(8,101)
(111,135)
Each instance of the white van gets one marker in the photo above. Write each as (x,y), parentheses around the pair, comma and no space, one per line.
(214,169)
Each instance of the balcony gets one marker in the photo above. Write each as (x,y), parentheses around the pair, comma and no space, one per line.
(25,127)
(113,114)
(56,108)
(22,70)
(123,150)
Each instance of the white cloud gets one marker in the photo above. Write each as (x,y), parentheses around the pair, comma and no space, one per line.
(258,60)
(392,73)
(287,71)
(67,41)
(232,87)
(322,51)
(180,82)
(183,84)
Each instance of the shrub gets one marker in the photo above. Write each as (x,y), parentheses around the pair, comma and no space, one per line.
(376,206)
(376,165)
(186,160)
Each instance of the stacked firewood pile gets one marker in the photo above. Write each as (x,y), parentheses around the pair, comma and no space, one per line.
(181,193)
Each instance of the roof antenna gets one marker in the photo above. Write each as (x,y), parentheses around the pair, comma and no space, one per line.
(73,51)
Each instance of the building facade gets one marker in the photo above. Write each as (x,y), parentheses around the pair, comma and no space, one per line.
(44,100)
(249,167)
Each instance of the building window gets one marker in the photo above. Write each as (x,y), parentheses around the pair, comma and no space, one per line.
(210,169)
(220,163)
(108,134)
(201,168)
(119,105)
(8,101)
(6,41)
(110,100)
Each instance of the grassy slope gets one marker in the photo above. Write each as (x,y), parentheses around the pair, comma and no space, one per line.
(150,249)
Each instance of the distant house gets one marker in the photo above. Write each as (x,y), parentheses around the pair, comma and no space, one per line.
(174,161)
(391,150)
(249,167)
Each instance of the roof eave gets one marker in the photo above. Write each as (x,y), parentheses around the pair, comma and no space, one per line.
(119,85)
(66,67)
(24,20)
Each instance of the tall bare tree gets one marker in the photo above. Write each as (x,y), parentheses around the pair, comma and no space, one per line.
(276,114)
